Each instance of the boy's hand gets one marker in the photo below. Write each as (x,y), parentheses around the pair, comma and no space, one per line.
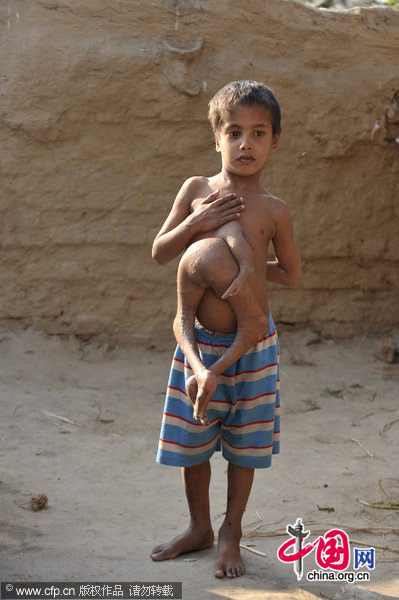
(182,224)
(200,389)
(213,212)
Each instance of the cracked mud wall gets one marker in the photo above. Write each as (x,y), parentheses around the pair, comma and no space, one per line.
(103,115)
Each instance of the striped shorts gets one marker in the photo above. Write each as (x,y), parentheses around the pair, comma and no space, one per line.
(243,413)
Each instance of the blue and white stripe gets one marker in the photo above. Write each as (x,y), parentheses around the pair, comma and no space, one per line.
(243,414)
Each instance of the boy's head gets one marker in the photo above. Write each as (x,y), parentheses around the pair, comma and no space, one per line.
(243,92)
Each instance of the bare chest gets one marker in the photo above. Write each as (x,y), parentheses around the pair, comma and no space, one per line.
(258,222)
(256,219)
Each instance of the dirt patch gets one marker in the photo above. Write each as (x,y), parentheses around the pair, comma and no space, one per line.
(81,422)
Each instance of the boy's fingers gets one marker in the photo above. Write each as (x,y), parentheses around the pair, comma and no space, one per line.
(227,198)
(211,197)
(229,204)
(233,209)
(225,218)
(228,201)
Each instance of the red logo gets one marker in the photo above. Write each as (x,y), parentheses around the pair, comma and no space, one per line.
(332,549)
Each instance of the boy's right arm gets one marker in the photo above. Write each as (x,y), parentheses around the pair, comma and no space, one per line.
(182,224)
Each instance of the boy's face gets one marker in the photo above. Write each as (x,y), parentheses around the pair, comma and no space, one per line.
(245,139)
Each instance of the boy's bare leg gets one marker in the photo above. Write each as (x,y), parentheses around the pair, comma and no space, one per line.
(199,534)
(229,560)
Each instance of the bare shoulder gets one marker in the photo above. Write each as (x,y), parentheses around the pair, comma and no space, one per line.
(277,208)
(192,190)
(277,212)
(193,186)
(274,203)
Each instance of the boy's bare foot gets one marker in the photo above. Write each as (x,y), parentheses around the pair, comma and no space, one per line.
(235,285)
(188,541)
(229,560)
(207,383)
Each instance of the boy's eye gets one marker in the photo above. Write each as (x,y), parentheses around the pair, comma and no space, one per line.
(259,133)
(233,133)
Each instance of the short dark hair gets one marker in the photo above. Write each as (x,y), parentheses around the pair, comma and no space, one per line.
(243,92)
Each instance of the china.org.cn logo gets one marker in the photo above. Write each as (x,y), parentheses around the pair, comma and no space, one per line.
(332,555)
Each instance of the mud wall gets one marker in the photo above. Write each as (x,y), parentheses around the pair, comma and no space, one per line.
(103,115)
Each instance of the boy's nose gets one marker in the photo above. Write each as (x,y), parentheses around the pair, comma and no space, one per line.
(245,144)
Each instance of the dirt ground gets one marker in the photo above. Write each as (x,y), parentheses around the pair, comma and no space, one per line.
(109,502)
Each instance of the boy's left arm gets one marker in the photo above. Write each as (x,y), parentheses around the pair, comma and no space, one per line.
(286,269)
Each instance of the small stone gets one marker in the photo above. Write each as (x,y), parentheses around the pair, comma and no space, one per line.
(389,353)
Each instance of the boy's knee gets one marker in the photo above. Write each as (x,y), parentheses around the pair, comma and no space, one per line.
(221,268)
(190,266)
(209,263)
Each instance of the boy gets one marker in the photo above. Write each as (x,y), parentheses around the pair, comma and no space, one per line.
(236,388)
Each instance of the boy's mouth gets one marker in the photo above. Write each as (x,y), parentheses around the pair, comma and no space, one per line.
(246,158)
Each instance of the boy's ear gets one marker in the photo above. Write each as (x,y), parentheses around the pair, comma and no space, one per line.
(217,145)
(275,140)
